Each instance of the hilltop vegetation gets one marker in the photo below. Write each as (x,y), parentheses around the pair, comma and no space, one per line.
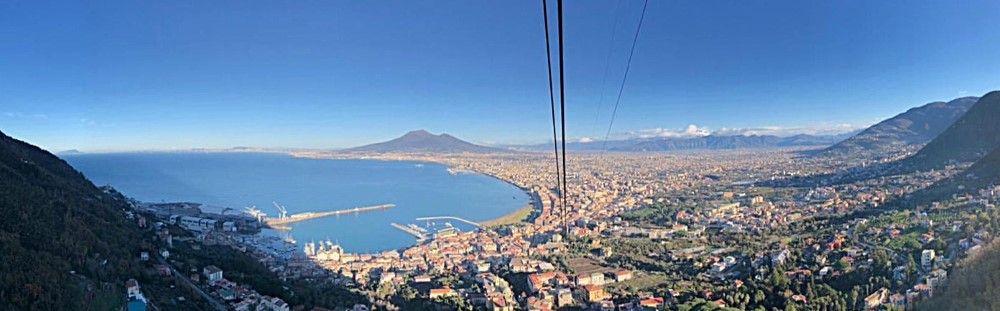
(59,234)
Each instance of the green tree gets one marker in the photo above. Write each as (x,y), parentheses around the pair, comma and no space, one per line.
(911,267)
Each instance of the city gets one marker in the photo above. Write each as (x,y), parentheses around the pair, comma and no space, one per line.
(649,231)
(545,155)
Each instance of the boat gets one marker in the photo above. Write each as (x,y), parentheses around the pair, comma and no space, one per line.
(281,228)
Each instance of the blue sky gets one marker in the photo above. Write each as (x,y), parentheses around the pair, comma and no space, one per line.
(141,75)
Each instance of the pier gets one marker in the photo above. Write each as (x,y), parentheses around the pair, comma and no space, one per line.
(420,235)
(451,218)
(313,215)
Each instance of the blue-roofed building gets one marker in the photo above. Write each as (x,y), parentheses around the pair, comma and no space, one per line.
(136,305)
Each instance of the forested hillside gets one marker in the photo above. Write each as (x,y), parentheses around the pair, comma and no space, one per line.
(916,126)
(59,234)
(967,140)
(974,285)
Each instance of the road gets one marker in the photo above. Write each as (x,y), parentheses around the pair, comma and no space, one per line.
(215,303)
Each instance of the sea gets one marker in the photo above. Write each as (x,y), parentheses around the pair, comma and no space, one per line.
(230,182)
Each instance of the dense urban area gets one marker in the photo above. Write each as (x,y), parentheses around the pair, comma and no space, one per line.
(684,231)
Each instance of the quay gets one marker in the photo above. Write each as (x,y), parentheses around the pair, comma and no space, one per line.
(451,218)
(420,235)
(313,215)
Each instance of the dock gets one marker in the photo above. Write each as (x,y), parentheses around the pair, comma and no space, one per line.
(270,221)
(420,235)
(475,224)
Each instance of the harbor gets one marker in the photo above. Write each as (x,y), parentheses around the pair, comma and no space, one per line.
(432,230)
(237,182)
(420,235)
(284,220)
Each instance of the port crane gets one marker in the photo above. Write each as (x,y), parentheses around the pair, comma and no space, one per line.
(282,210)
(255,213)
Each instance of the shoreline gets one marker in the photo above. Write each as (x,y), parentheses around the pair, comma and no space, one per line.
(527,209)
(515,217)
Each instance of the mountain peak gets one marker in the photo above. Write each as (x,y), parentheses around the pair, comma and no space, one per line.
(418,133)
(424,141)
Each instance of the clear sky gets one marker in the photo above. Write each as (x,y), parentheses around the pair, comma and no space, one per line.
(135,75)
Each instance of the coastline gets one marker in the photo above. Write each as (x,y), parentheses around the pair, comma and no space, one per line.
(517,216)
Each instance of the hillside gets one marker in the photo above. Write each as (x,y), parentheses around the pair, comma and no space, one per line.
(984,173)
(916,126)
(423,141)
(968,139)
(54,222)
(973,285)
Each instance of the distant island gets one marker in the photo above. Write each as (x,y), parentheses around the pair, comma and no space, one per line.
(69,152)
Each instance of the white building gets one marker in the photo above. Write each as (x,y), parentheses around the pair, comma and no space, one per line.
(927,259)
(194,223)
(212,274)
(273,303)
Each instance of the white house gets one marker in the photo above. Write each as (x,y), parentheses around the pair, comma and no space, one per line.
(927,259)
(212,274)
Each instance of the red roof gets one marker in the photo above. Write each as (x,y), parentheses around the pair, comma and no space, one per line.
(651,302)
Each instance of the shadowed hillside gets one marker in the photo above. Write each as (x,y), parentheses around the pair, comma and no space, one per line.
(54,222)
(974,285)
(916,126)
(970,138)
(984,173)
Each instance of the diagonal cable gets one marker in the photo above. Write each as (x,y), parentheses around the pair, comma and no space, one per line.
(628,65)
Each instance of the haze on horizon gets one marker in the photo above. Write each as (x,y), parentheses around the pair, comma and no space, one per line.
(140,76)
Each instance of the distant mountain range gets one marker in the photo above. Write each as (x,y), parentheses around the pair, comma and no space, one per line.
(710,142)
(423,141)
(968,139)
(916,126)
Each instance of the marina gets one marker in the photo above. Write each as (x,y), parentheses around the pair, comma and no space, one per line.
(431,231)
(408,229)
(474,224)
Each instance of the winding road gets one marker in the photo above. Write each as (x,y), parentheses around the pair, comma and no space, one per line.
(215,303)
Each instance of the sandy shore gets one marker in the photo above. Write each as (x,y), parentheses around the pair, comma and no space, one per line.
(517,216)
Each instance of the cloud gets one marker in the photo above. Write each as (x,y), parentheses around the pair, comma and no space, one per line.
(586,140)
(697,131)
(19,115)
(691,131)
(89,122)
(818,129)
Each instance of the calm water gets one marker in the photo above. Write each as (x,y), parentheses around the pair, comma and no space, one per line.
(238,180)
